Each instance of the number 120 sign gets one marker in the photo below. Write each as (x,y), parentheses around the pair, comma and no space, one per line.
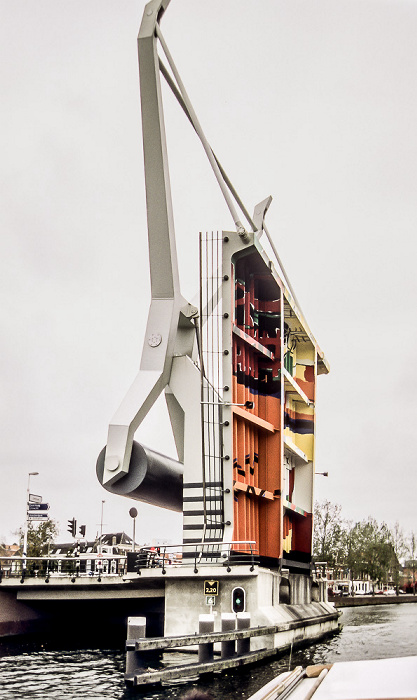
(211,588)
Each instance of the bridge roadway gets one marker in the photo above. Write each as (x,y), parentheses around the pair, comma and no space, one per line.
(150,584)
(85,587)
(102,602)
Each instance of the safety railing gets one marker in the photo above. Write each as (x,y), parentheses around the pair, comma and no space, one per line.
(194,555)
(73,567)
(95,565)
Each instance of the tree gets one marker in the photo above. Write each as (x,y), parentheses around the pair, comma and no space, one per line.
(328,533)
(40,537)
(369,550)
(412,551)
(399,546)
(3,546)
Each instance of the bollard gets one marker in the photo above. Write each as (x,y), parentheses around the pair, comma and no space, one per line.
(136,629)
(228,624)
(243,623)
(205,649)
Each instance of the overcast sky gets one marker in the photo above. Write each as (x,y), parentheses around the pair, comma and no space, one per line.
(313,102)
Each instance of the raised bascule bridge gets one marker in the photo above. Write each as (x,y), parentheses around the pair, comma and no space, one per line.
(239,374)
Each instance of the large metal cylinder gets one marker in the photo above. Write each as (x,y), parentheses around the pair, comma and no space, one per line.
(152,478)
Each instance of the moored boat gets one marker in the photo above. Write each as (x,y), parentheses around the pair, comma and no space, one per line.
(382,679)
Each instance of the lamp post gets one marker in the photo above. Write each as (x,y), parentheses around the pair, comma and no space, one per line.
(25,530)
(133,513)
(101,525)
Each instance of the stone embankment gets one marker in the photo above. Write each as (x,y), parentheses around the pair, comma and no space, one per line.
(357,600)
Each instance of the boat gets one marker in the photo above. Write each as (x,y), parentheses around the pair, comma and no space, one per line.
(381,679)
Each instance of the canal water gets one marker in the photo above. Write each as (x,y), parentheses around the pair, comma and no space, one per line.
(49,671)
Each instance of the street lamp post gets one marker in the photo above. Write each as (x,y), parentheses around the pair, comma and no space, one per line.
(101,525)
(133,513)
(25,530)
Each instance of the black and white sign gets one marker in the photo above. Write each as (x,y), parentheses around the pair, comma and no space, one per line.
(34,499)
(211,588)
(38,506)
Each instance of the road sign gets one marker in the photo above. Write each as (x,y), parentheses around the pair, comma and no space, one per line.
(38,516)
(38,506)
(211,588)
(34,499)
(210,600)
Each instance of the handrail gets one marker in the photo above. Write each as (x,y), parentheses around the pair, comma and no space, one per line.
(65,557)
(196,554)
(74,565)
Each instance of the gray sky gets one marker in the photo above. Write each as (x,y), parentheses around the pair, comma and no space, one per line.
(312,102)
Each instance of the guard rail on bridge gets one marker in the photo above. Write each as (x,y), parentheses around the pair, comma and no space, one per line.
(62,566)
(93,564)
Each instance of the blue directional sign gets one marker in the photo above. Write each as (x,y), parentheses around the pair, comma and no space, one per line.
(38,516)
(38,506)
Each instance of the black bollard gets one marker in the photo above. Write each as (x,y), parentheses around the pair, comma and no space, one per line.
(136,629)
(228,624)
(205,649)
(243,623)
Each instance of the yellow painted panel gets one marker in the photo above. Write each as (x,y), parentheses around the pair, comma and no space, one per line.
(305,443)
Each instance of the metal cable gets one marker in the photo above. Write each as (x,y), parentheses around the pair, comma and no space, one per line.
(196,124)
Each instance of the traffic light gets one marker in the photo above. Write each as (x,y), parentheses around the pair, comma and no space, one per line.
(140,561)
(238,600)
(82,530)
(72,527)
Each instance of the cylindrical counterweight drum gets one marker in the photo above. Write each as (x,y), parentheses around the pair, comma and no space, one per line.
(153,478)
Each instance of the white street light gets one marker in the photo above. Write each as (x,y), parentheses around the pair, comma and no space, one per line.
(25,531)
(101,525)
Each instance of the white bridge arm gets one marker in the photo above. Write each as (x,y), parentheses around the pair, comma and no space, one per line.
(170,331)
(144,391)
(155,370)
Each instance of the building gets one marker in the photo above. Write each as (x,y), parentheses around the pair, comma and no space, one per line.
(409,576)
(93,557)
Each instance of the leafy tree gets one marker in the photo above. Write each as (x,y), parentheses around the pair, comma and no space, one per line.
(39,537)
(369,550)
(328,533)
(3,546)
(366,548)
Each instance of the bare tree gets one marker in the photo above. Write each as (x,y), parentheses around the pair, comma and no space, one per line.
(412,550)
(399,546)
(328,534)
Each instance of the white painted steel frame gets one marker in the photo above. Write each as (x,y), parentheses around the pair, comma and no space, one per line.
(170,332)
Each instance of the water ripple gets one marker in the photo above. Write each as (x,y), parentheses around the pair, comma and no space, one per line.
(90,674)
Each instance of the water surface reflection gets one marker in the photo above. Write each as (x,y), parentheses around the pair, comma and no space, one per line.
(52,672)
